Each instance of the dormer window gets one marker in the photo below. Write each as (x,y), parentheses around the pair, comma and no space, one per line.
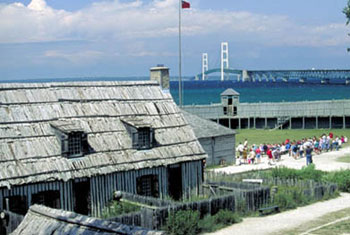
(142,138)
(74,142)
(142,134)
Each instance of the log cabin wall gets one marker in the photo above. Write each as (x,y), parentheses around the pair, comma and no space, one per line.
(192,178)
(103,187)
(28,191)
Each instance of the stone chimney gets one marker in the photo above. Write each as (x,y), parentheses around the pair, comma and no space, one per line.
(160,73)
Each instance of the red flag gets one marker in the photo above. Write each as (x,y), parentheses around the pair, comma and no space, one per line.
(185,5)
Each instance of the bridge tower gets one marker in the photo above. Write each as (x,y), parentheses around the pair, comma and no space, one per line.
(224,59)
(205,65)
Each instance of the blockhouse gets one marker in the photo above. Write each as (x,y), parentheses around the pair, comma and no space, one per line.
(293,115)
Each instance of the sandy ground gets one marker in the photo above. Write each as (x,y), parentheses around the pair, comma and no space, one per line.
(287,220)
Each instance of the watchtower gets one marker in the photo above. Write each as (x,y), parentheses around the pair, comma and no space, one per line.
(230,101)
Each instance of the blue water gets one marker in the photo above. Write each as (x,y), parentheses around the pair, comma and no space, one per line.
(206,92)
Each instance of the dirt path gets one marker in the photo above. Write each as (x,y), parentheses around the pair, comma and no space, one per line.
(287,220)
(325,161)
(291,219)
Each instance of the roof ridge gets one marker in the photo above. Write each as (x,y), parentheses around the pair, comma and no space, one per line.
(71,217)
(46,85)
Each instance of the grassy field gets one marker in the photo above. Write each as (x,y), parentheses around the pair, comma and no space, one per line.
(337,228)
(345,159)
(325,225)
(257,136)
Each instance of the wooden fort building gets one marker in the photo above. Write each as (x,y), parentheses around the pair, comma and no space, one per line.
(71,145)
(272,115)
(217,141)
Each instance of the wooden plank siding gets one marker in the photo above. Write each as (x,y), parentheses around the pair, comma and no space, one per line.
(29,190)
(102,187)
(191,178)
(321,108)
(219,148)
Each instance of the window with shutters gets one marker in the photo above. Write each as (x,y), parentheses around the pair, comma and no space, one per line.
(72,138)
(141,133)
(74,144)
(142,138)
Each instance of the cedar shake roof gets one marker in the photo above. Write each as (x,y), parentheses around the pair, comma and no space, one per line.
(44,220)
(30,151)
(205,129)
(229,91)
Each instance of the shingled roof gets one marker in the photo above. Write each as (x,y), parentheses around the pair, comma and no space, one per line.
(43,220)
(204,128)
(30,151)
(229,91)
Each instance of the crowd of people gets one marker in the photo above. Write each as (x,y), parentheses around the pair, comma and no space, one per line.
(296,149)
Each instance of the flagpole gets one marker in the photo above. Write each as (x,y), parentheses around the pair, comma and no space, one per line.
(180,82)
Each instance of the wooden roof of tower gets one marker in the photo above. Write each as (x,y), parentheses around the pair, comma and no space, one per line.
(46,220)
(30,151)
(228,92)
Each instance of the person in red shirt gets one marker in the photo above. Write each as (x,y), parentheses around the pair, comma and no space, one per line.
(258,154)
(331,135)
(269,155)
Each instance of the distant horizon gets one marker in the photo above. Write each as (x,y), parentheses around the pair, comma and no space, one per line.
(173,79)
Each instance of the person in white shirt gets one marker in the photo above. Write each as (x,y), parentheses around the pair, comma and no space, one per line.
(239,149)
(245,143)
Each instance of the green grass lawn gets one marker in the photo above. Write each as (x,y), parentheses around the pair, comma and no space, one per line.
(258,136)
(342,227)
(337,228)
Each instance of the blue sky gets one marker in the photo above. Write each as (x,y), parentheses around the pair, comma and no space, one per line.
(88,38)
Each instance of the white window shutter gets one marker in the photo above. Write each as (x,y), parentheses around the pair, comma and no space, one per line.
(135,140)
(151,137)
(64,144)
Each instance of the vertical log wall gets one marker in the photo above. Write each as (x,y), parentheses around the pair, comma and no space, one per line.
(103,186)
(65,189)
(191,178)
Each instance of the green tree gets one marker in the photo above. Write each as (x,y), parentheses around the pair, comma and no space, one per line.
(346,11)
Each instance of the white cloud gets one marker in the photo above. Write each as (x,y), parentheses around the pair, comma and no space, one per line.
(113,20)
(38,5)
(80,57)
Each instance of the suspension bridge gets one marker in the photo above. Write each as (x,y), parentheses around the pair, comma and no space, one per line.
(324,76)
